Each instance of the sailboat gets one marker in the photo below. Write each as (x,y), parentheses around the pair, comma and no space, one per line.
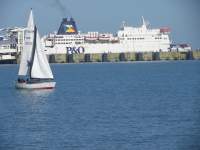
(34,70)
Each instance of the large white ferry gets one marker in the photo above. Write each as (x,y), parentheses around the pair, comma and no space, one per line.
(128,39)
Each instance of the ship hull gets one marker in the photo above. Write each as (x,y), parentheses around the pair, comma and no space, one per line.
(39,85)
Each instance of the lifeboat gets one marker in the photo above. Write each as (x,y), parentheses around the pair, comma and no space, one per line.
(90,38)
(165,30)
(104,37)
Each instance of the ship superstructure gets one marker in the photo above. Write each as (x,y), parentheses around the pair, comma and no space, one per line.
(144,39)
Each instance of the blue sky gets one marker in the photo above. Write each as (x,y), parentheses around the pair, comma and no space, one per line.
(182,16)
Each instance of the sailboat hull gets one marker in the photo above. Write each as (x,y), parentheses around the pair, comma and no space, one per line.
(39,85)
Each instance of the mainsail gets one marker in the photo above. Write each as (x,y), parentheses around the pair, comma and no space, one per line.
(40,66)
(28,46)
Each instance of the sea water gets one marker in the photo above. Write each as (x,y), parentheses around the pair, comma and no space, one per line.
(104,106)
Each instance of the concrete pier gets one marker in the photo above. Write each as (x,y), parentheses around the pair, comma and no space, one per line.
(122,57)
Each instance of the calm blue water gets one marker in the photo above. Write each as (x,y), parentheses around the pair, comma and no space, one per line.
(122,106)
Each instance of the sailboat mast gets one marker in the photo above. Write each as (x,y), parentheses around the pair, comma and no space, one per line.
(33,50)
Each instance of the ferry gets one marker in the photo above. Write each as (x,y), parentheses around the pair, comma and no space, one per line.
(128,39)
(8,46)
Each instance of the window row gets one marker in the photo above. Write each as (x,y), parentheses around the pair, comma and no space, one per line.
(68,39)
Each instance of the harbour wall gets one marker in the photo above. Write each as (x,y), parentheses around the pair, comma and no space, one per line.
(123,57)
(115,57)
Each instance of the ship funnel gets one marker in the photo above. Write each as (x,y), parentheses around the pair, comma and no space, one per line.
(67,27)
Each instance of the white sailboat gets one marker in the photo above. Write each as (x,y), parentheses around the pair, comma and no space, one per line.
(34,71)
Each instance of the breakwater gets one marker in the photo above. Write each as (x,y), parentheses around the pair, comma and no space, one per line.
(114,57)
(122,57)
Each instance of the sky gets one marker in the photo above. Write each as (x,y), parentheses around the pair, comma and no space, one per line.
(182,16)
